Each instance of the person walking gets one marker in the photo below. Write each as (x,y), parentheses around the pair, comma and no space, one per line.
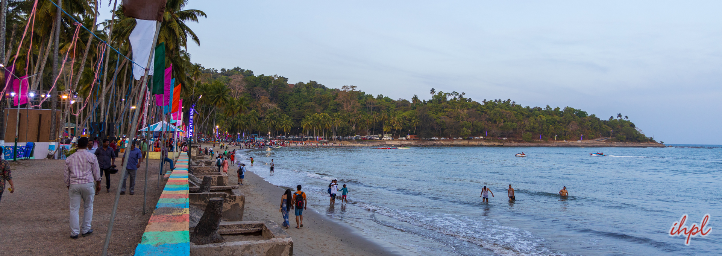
(300,202)
(485,194)
(251,161)
(106,157)
(82,170)
(286,207)
(333,190)
(344,192)
(273,166)
(5,175)
(219,162)
(134,160)
(144,147)
(241,173)
(225,165)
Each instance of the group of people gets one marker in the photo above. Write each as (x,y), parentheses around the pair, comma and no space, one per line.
(510,192)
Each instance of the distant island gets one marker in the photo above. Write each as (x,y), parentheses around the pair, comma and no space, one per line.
(239,102)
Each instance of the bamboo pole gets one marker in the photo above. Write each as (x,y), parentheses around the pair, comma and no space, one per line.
(143,86)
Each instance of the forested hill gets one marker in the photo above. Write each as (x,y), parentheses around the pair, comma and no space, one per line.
(243,102)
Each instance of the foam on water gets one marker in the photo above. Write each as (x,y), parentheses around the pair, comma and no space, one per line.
(426,201)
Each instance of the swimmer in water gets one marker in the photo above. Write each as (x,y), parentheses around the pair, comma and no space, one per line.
(510,192)
(485,194)
(564,192)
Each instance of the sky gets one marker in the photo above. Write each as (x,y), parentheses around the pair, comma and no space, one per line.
(657,62)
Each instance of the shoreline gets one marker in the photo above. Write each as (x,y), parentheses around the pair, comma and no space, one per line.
(320,234)
(479,143)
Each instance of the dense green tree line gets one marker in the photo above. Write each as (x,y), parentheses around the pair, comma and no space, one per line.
(240,102)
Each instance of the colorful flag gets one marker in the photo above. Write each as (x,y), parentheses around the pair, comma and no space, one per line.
(141,42)
(176,99)
(158,66)
(21,92)
(178,114)
(144,9)
(167,96)
(159,98)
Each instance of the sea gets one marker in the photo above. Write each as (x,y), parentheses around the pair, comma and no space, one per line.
(426,200)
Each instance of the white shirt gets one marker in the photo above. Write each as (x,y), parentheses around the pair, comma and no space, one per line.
(334,188)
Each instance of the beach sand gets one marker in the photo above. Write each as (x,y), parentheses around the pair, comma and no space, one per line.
(319,235)
(35,219)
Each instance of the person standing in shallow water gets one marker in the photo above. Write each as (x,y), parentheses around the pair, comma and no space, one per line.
(510,192)
(273,165)
(485,194)
(564,192)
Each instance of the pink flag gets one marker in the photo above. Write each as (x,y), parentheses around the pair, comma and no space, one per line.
(21,92)
(164,99)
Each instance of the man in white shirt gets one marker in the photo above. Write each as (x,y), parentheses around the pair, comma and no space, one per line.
(81,172)
(334,190)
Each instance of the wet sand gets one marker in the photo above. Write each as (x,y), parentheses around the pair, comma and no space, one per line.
(319,235)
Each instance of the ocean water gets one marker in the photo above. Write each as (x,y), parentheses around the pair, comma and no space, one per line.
(425,201)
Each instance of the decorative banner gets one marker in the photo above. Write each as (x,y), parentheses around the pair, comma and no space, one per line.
(190,121)
(168,96)
(21,92)
(159,97)
(141,42)
(158,67)
(176,99)
(178,115)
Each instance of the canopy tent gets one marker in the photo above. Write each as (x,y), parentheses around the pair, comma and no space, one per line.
(161,127)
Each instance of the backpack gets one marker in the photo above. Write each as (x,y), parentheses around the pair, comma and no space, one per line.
(329,190)
(299,200)
(218,162)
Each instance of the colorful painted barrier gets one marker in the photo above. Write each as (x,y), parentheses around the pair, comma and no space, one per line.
(167,230)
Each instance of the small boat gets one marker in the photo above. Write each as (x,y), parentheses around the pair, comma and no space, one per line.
(403,148)
(386,148)
(520,155)
(597,154)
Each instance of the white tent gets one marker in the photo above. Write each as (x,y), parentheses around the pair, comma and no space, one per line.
(161,127)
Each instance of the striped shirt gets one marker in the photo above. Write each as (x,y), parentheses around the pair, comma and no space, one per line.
(82,167)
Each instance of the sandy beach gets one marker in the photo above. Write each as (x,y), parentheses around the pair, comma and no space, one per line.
(35,221)
(319,235)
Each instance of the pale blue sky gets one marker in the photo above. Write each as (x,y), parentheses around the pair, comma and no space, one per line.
(658,62)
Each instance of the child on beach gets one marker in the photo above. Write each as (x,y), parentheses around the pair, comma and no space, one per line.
(251,161)
(344,191)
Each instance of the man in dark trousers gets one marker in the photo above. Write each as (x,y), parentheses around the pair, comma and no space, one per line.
(134,161)
(106,157)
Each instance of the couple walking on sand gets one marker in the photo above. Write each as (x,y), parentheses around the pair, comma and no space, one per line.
(298,201)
